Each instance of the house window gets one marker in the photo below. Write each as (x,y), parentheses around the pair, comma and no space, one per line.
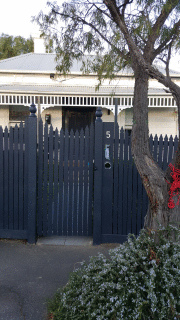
(18,113)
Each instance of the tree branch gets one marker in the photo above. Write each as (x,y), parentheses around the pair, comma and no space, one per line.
(118,19)
(158,25)
(80,19)
(123,6)
(172,36)
(102,11)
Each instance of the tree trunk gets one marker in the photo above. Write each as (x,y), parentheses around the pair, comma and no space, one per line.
(152,176)
(172,215)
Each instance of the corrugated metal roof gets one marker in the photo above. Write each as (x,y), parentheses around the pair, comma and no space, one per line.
(85,90)
(38,62)
(45,62)
(30,62)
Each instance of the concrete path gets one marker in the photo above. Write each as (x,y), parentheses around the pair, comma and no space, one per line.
(31,274)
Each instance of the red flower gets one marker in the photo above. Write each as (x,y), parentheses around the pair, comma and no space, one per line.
(175,186)
(171,204)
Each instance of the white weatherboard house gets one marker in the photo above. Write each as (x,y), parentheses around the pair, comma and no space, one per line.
(70,102)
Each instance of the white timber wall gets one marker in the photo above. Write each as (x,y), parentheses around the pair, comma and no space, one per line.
(56,116)
(163,121)
(4,116)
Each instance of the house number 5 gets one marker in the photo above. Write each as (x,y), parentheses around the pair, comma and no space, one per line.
(108,134)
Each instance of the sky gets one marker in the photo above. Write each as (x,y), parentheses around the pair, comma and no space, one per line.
(16,15)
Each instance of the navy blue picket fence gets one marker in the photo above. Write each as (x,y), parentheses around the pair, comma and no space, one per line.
(65,184)
(122,200)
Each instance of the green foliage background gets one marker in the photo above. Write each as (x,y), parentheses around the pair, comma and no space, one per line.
(14,46)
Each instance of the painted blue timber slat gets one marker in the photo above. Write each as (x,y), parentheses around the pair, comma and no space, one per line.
(76,177)
(151,143)
(45,182)
(16,180)
(125,183)
(80,213)
(155,154)
(121,181)
(129,205)
(6,179)
(86,183)
(139,205)
(90,164)
(116,179)
(98,156)
(71,182)
(134,199)
(21,178)
(40,180)
(32,175)
(160,156)
(66,183)
(1,179)
(170,151)
(50,182)
(26,175)
(61,178)
(176,140)
(11,179)
(165,153)
(55,215)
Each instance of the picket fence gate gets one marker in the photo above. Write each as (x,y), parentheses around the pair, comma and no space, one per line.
(66,184)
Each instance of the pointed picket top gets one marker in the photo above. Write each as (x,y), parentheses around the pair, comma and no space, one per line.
(51,129)
(151,142)
(21,125)
(166,138)
(121,131)
(16,127)
(82,132)
(66,132)
(156,137)
(71,132)
(161,138)
(56,131)
(86,130)
(176,141)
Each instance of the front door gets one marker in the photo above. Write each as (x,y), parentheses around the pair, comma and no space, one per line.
(78,118)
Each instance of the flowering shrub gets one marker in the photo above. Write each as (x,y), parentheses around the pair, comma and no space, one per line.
(140,280)
(175,186)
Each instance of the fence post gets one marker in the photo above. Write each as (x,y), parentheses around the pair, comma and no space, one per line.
(32,174)
(97,178)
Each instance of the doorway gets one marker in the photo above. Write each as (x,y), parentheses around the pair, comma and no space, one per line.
(77,118)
